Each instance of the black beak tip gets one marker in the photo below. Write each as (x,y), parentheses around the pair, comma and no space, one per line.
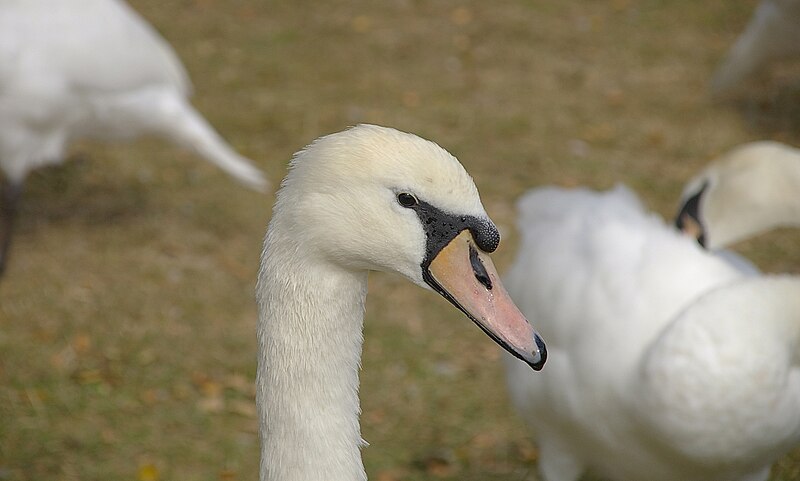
(538,363)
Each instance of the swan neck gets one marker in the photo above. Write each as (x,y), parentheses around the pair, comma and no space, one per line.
(766,199)
(310,337)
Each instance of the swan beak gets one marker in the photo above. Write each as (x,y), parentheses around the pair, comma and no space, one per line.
(688,218)
(691,227)
(466,276)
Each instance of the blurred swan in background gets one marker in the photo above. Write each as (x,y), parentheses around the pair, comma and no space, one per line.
(772,34)
(752,189)
(701,379)
(369,198)
(74,69)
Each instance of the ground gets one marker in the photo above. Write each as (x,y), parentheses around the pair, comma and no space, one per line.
(127,320)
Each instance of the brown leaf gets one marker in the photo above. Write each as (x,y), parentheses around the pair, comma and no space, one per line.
(439,467)
(227,475)
(81,343)
(528,451)
(461,16)
(211,388)
(89,376)
(389,475)
(148,472)
(361,23)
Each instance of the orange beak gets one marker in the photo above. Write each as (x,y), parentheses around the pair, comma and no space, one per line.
(466,276)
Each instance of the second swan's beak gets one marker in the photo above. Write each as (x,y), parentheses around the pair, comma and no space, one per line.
(688,218)
(692,227)
(466,277)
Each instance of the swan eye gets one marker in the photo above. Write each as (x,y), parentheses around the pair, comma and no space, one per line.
(407,200)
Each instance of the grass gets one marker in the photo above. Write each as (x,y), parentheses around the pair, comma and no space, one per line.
(127,347)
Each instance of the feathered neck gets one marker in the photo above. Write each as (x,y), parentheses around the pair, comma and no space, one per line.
(741,206)
(309,338)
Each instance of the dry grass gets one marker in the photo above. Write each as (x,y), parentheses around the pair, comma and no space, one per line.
(127,347)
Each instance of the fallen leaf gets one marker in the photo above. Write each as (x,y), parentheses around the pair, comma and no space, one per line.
(227,475)
(153,396)
(210,388)
(89,376)
(461,16)
(529,452)
(439,465)
(389,475)
(81,343)
(361,23)
(148,472)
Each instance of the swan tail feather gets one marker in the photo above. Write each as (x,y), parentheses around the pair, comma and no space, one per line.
(192,131)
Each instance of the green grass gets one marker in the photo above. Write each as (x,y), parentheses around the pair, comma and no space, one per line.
(127,321)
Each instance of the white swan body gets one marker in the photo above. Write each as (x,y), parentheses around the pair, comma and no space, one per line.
(772,34)
(700,379)
(72,69)
(369,198)
(751,189)
(93,68)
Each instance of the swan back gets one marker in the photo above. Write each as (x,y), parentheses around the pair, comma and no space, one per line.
(589,252)
(43,43)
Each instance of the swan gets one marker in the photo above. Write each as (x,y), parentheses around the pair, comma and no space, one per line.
(73,69)
(368,198)
(700,378)
(750,190)
(772,34)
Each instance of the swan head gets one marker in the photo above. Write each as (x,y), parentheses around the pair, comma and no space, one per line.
(374,198)
(687,220)
(746,191)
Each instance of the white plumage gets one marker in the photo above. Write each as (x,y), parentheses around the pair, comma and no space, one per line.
(666,362)
(751,189)
(93,68)
(369,198)
(74,69)
(772,34)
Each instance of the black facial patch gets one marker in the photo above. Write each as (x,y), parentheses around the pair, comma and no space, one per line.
(691,208)
(441,227)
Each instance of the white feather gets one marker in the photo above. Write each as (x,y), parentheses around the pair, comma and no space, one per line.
(73,69)
(666,362)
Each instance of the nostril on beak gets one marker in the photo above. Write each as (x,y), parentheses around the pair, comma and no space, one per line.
(479,269)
